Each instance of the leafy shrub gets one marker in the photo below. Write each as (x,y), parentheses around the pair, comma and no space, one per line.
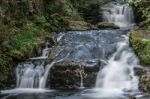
(143,6)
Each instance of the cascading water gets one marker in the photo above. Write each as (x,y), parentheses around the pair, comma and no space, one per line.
(116,79)
(118,74)
(43,79)
(118,13)
(81,71)
(29,74)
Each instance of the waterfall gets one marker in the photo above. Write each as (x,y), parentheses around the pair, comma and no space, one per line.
(118,13)
(116,80)
(43,79)
(119,72)
(29,74)
(81,72)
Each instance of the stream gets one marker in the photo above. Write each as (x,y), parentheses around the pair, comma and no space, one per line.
(116,78)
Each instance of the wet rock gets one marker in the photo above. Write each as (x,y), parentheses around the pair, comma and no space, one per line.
(69,74)
(78,25)
(143,72)
(139,71)
(105,25)
(80,54)
(132,97)
(144,82)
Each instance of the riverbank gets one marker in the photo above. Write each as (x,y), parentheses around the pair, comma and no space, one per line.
(140,40)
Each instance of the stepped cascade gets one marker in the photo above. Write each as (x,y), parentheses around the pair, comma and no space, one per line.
(117,77)
(30,73)
(119,14)
(107,51)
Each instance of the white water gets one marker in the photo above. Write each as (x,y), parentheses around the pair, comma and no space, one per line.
(43,79)
(81,71)
(117,77)
(119,73)
(32,74)
(119,14)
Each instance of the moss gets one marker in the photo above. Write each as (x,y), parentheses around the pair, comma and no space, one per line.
(78,25)
(104,25)
(140,41)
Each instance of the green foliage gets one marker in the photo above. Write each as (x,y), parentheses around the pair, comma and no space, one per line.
(59,13)
(81,4)
(141,45)
(5,66)
(22,42)
(144,7)
(17,44)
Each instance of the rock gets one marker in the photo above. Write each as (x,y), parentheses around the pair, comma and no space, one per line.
(79,53)
(144,83)
(132,97)
(67,74)
(78,26)
(139,71)
(104,25)
(143,72)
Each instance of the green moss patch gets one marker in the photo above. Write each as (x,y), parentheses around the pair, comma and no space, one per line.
(140,41)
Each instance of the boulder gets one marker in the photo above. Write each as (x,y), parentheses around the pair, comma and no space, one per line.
(105,25)
(144,80)
(78,26)
(69,74)
(80,55)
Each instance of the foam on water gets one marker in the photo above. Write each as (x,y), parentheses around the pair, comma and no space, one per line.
(25,90)
(117,77)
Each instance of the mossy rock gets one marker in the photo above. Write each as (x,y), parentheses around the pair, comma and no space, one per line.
(79,26)
(144,78)
(104,25)
(144,82)
(140,41)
